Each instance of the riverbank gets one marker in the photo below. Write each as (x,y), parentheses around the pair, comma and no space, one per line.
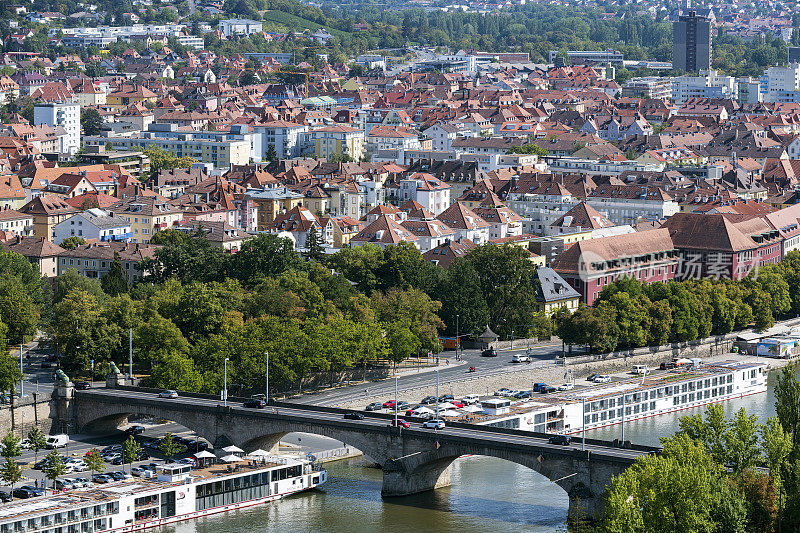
(552,375)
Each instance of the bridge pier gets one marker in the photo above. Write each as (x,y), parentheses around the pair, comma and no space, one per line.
(398,480)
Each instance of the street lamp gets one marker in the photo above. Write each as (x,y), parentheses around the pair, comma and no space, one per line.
(91,378)
(21,371)
(583,424)
(266,388)
(395,401)
(458,341)
(437,393)
(225,390)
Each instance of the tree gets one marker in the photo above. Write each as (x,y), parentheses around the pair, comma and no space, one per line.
(70,243)
(530,149)
(94,461)
(54,466)
(130,451)
(682,490)
(11,473)
(91,121)
(11,446)
(10,374)
(272,154)
(160,159)
(114,282)
(37,441)
(168,447)
(315,245)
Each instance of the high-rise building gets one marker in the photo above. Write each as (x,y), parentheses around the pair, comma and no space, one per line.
(64,114)
(691,43)
(794,54)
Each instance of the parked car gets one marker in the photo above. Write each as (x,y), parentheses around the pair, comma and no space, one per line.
(374,406)
(195,446)
(427,400)
(566,386)
(112,449)
(254,404)
(433,424)
(119,476)
(537,387)
(502,392)
(64,484)
(57,441)
(400,422)
(521,358)
(168,394)
(563,440)
(388,404)
(457,403)
(134,430)
(401,405)
(22,494)
(79,466)
(353,416)
(489,352)
(603,378)
(446,398)
(46,364)
(5,497)
(591,377)
(102,478)
(81,482)
(471,399)
(548,390)
(83,385)
(523,394)
(36,490)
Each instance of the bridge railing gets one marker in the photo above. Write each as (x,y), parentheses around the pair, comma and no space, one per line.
(390,416)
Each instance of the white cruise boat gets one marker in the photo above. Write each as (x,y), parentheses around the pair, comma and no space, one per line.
(177,493)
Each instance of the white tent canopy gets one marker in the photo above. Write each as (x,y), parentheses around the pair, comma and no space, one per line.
(259,453)
(472,409)
(232,449)
(231,459)
(204,455)
(446,405)
(450,412)
(423,410)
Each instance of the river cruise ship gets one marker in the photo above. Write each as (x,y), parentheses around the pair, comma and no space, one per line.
(176,493)
(654,394)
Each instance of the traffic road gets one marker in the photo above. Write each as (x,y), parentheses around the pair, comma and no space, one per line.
(454,371)
(416,428)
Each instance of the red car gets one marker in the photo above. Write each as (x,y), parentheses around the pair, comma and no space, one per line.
(400,422)
(456,403)
(389,404)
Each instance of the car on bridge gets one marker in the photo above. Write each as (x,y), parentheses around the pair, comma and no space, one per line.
(353,416)
(374,406)
(562,440)
(433,424)
(521,358)
(168,394)
(83,385)
(489,352)
(254,404)
(400,422)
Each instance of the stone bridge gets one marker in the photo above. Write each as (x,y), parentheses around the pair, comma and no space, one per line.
(413,460)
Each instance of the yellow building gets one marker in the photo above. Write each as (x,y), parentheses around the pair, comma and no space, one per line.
(338,139)
(47,211)
(147,215)
(272,202)
(554,292)
(130,94)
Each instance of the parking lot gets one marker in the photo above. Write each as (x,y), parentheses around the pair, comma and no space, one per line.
(147,435)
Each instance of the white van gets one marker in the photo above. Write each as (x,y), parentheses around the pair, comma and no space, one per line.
(521,358)
(57,441)
(641,370)
(470,399)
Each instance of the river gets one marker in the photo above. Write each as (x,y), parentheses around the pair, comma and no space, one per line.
(486,494)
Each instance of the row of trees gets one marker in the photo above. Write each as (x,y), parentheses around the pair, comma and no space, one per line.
(630,314)
(716,475)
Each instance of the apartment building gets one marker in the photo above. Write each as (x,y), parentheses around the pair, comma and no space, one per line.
(146,215)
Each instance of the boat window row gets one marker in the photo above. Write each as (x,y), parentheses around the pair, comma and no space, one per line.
(65,517)
(90,526)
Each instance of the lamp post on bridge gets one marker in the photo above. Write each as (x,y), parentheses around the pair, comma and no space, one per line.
(225,389)
(437,393)
(266,385)
(458,341)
